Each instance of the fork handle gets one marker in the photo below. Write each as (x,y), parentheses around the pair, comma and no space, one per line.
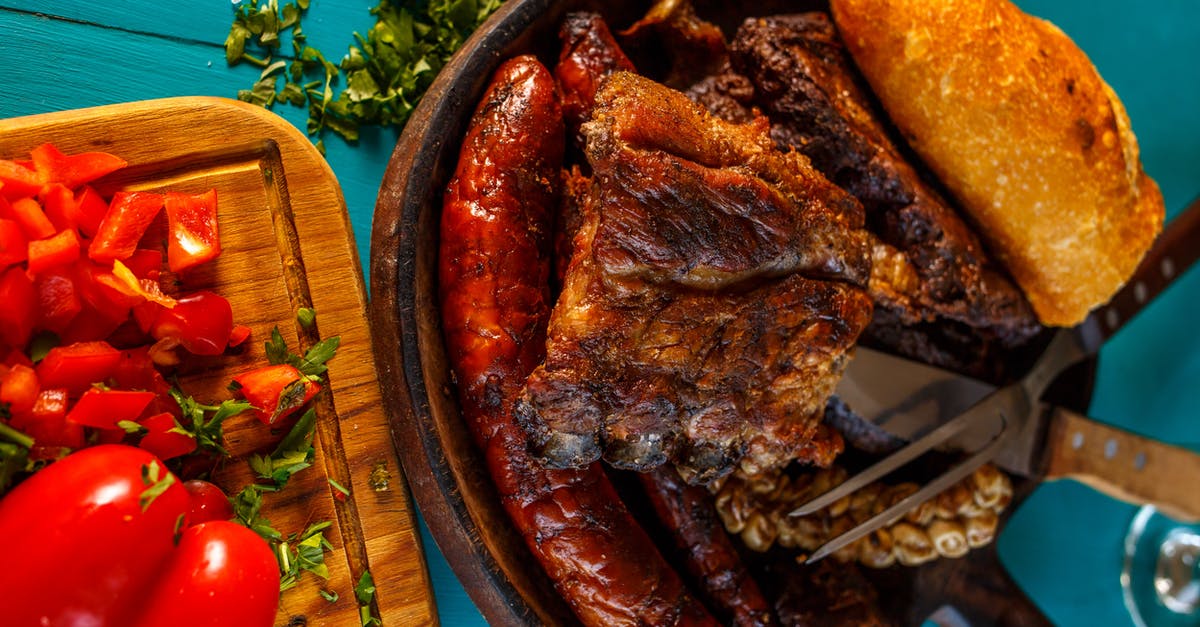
(1123,465)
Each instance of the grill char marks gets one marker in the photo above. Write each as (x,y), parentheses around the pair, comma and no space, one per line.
(715,287)
(938,295)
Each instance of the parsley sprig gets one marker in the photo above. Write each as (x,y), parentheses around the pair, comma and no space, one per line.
(380,79)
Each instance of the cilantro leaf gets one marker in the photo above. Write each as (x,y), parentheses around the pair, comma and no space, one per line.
(155,483)
(364,591)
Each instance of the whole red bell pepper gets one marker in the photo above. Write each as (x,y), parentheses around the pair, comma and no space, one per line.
(104,539)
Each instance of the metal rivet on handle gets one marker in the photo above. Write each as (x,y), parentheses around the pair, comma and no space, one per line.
(1139,462)
(1110,449)
(1077,441)
(1112,318)
(1167,267)
(1140,292)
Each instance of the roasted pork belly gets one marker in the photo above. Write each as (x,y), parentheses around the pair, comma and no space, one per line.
(715,288)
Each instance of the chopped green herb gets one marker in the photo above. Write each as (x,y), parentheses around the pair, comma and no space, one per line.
(328,595)
(364,591)
(197,423)
(339,487)
(380,80)
(306,316)
(293,454)
(156,484)
(312,364)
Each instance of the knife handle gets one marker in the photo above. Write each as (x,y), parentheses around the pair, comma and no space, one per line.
(1124,465)
(1175,250)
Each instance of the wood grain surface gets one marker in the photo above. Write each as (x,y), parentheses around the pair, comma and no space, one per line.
(287,243)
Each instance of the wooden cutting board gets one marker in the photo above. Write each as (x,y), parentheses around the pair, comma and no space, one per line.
(287,244)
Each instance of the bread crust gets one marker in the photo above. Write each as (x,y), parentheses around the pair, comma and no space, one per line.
(1017,123)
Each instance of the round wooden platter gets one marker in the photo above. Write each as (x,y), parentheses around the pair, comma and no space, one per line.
(447,473)
(287,244)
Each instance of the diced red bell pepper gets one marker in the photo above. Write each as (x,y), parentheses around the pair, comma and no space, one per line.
(75,367)
(53,252)
(53,166)
(145,263)
(15,357)
(57,301)
(19,311)
(91,325)
(161,441)
(239,334)
(201,321)
(29,214)
(19,388)
(192,221)
(103,409)
(90,208)
(276,392)
(136,371)
(129,215)
(14,246)
(105,292)
(60,206)
(47,424)
(18,180)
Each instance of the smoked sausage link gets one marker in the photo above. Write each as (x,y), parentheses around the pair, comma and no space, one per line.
(494,264)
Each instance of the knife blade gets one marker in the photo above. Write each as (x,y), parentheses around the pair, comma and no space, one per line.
(1056,443)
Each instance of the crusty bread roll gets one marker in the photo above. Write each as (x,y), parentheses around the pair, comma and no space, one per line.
(1015,120)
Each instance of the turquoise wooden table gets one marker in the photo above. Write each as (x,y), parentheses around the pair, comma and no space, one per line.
(1063,546)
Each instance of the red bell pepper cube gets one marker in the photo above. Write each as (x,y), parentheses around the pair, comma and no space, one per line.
(75,367)
(18,180)
(192,222)
(19,388)
(201,321)
(145,263)
(135,371)
(53,166)
(19,311)
(90,208)
(91,325)
(275,391)
(129,215)
(101,289)
(47,424)
(104,409)
(239,334)
(60,206)
(53,252)
(14,246)
(163,442)
(57,301)
(29,214)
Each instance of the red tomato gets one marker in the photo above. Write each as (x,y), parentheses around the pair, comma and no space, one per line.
(208,502)
(94,548)
(201,321)
(223,574)
(192,221)
(129,215)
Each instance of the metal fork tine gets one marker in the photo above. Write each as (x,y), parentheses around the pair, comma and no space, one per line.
(888,464)
(930,490)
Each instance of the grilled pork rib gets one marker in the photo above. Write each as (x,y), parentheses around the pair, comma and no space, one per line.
(938,295)
(715,288)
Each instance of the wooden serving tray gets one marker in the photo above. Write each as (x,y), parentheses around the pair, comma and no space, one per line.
(287,243)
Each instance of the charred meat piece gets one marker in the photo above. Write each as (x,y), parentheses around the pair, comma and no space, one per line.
(938,295)
(589,53)
(672,41)
(715,288)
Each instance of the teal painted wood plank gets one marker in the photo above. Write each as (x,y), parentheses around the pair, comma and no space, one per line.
(1063,546)
(329,24)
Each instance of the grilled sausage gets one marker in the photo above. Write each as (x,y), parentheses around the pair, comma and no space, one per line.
(494,265)
(688,513)
(589,53)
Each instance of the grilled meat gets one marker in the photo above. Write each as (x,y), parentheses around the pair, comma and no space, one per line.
(938,295)
(715,288)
